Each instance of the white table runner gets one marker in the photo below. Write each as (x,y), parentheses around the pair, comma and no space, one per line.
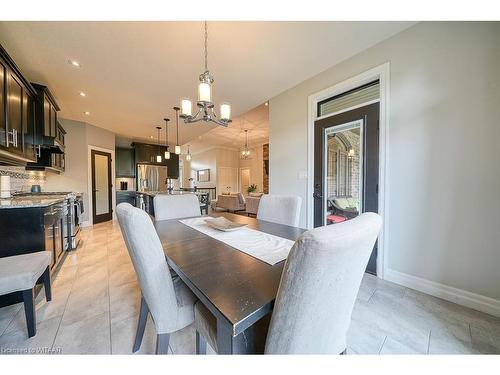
(263,246)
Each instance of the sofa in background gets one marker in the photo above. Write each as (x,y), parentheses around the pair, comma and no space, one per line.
(252,203)
(231,202)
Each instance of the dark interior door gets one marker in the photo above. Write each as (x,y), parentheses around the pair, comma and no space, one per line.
(335,196)
(101,186)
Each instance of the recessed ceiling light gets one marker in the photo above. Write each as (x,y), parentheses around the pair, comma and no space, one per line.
(82,94)
(75,63)
(151,136)
(86,113)
(266,104)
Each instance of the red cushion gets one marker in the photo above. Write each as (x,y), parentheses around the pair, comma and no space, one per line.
(335,219)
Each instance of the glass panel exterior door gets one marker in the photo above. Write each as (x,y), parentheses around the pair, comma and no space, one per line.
(343,162)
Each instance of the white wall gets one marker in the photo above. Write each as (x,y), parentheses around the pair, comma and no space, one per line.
(219,157)
(256,165)
(203,160)
(79,136)
(444,174)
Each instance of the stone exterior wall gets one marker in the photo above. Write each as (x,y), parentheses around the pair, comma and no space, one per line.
(265,178)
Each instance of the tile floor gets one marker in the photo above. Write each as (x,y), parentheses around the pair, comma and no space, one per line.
(96,298)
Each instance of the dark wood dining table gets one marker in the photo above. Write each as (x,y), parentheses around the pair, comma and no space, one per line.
(238,289)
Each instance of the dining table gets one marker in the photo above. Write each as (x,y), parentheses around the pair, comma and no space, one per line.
(238,289)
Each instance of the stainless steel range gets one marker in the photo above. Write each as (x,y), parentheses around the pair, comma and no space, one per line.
(75,220)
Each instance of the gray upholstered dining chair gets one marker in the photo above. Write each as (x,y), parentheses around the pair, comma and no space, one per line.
(176,206)
(317,291)
(168,299)
(281,209)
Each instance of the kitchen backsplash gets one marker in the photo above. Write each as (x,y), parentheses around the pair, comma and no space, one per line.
(21,179)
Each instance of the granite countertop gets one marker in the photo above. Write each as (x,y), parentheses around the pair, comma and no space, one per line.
(30,201)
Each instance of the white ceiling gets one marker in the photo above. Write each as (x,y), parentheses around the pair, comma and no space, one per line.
(135,72)
(256,121)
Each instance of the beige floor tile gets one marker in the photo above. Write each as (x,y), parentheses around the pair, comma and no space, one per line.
(123,336)
(122,274)
(124,301)
(364,339)
(85,336)
(17,342)
(44,310)
(8,313)
(393,347)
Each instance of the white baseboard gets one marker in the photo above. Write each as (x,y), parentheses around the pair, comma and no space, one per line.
(86,223)
(459,296)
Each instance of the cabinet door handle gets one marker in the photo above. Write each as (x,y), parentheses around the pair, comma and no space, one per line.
(12,133)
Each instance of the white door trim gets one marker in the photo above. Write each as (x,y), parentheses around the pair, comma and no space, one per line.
(239,178)
(382,73)
(89,180)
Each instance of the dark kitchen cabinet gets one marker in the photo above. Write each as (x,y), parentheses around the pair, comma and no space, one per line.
(125,162)
(17,122)
(3,101)
(46,109)
(29,126)
(51,158)
(15,114)
(146,154)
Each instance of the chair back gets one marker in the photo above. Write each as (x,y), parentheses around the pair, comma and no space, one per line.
(281,209)
(176,206)
(146,253)
(319,285)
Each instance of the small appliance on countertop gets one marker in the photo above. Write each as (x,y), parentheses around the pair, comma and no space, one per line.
(36,189)
(4,186)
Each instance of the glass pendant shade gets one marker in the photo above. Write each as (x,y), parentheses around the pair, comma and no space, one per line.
(178,150)
(167,155)
(158,158)
(204,92)
(188,157)
(225,111)
(186,107)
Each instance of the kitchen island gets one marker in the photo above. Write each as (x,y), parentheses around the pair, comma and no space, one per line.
(144,199)
(31,223)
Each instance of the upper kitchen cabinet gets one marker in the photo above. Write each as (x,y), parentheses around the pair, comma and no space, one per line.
(51,158)
(17,122)
(46,109)
(125,162)
(147,153)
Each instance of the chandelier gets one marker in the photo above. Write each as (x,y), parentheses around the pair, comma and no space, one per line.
(245,153)
(205,105)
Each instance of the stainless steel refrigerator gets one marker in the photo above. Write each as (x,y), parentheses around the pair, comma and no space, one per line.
(151,178)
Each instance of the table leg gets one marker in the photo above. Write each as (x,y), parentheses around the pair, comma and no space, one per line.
(229,344)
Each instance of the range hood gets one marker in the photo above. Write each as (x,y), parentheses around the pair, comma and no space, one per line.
(52,145)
